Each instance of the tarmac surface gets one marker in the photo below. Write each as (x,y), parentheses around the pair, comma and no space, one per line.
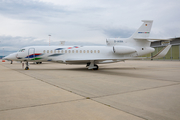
(131,90)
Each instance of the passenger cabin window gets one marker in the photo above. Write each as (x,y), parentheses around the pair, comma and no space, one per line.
(69,51)
(54,51)
(91,51)
(80,51)
(58,51)
(61,51)
(76,51)
(72,51)
(84,51)
(47,51)
(98,51)
(65,51)
(87,51)
(44,51)
(51,51)
(94,51)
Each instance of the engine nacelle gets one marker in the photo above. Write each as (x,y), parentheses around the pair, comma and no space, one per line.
(123,50)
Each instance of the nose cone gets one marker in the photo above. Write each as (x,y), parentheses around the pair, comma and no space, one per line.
(10,57)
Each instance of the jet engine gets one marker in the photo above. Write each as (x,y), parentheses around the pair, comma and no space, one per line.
(123,50)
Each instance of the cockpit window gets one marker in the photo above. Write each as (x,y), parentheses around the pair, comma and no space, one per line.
(21,50)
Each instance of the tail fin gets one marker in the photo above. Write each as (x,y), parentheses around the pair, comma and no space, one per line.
(144,30)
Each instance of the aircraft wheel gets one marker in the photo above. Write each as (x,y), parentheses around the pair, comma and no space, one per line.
(27,68)
(96,67)
(87,64)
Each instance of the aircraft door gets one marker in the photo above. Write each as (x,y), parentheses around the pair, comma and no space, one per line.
(31,54)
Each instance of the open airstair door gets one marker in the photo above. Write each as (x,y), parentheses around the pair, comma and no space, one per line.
(31,54)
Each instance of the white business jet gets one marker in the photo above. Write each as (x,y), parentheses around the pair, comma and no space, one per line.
(117,49)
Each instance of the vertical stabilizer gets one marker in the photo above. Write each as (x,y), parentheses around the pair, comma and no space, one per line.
(144,30)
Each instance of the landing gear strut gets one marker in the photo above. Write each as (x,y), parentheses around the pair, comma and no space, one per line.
(92,66)
(27,66)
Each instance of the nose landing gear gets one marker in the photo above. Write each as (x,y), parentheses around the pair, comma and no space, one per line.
(27,66)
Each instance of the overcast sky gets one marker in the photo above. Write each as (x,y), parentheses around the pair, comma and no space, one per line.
(87,22)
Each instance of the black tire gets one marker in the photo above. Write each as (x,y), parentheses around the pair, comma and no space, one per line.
(96,67)
(27,68)
(88,64)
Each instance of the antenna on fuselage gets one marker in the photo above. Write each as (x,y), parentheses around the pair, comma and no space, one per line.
(49,39)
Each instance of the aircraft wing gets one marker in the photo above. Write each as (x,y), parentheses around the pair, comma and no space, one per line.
(163,52)
(85,61)
(101,61)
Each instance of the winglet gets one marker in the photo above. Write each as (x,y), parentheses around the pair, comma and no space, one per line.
(163,52)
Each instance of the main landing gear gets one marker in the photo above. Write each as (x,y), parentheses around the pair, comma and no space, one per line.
(38,62)
(92,65)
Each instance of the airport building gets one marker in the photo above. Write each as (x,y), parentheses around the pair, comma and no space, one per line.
(173,53)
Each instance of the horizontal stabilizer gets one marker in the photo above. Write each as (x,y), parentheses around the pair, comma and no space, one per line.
(163,52)
(155,39)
